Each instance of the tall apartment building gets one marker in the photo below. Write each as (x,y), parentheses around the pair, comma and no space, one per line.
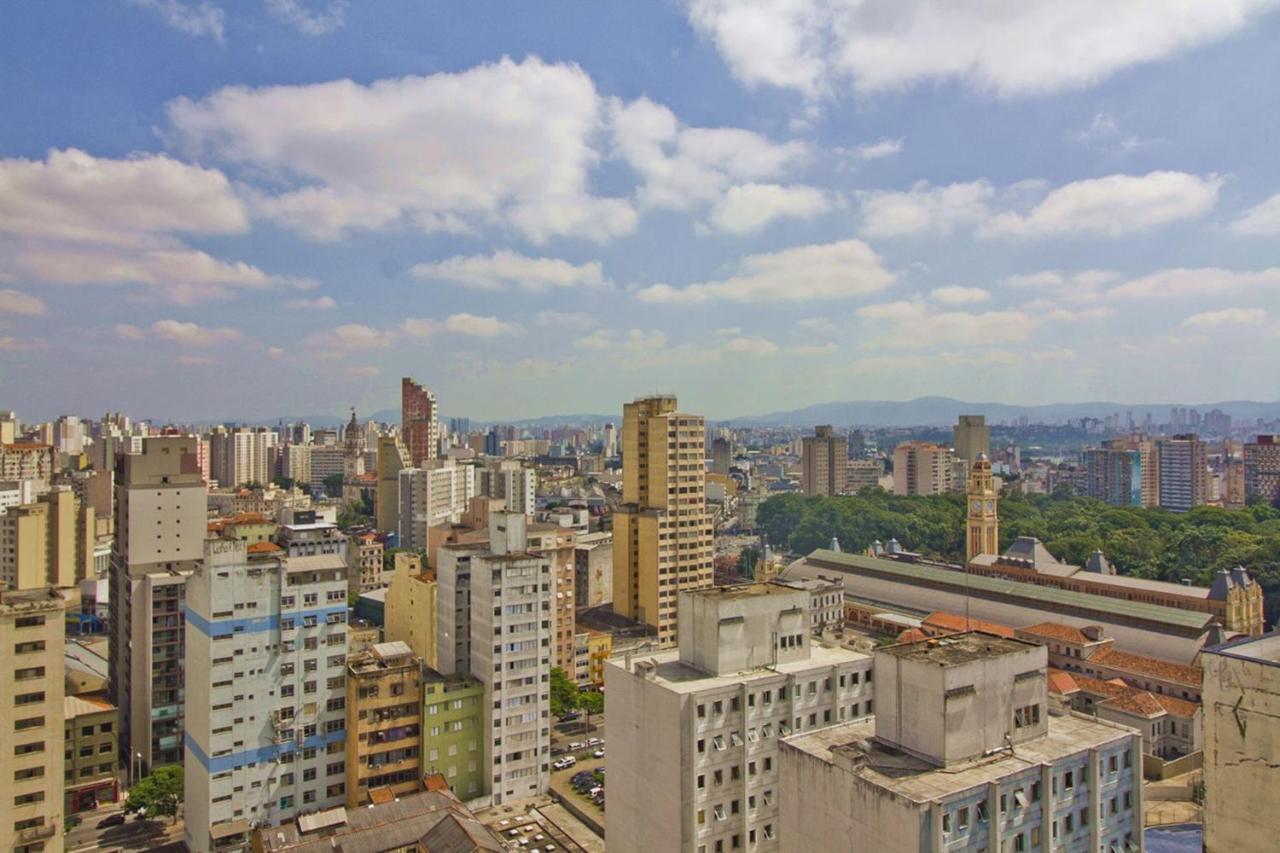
(923,468)
(410,609)
(1113,475)
(970,437)
(495,625)
(384,722)
(693,754)
(47,543)
(963,754)
(266,718)
(160,530)
(559,545)
(393,457)
(862,474)
(295,462)
(1184,472)
(242,455)
(721,454)
(26,460)
(364,563)
(662,539)
(326,461)
(453,732)
(31,737)
(1262,468)
(419,422)
(824,460)
(435,494)
(1149,463)
(1241,745)
(513,481)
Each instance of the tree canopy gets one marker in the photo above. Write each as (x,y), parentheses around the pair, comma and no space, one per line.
(1148,543)
(157,795)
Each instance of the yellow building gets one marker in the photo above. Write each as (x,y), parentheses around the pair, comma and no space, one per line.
(982,534)
(662,540)
(47,543)
(31,738)
(599,647)
(90,753)
(393,457)
(384,722)
(411,607)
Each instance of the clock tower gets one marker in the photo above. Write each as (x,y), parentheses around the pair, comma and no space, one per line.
(983,529)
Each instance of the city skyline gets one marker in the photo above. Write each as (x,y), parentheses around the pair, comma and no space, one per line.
(261,210)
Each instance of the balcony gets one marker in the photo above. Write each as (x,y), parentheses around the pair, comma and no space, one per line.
(35,833)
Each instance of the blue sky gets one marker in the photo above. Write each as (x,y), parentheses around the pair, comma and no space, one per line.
(236,210)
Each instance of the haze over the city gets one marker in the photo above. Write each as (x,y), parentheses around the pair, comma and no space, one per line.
(243,210)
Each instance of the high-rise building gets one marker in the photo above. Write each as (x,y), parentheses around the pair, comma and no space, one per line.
(453,732)
(327,461)
(982,532)
(971,436)
(721,454)
(923,468)
(1262,468)
(434,494)
(47,543)
(266,718)
(962,754)
(31,737)
(410,612)
(825,462)
(512,480)
(393,457)
(610,440)
(697,766)
(384,722)
(1184,472)
(662,539)
(161,510)
(494,618)
(862,474)
(1241,745)
(419,422)
(242,455)
(1113,475)
(295,463)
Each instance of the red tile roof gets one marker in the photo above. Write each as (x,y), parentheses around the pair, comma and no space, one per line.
(1057,631)
(1138,702)
(1098,687)
(263,548)
(912,635)
(1189,676)
(951,622)
(1062,682)
(1177,707)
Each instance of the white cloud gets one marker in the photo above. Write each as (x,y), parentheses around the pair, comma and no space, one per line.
(925,209)
(1112,206)
(320,303)
(365,372)
(419,327)
(194,19)
(821,271)
(507,144)
(819,47)
(914,324)
(685,166)
(566,319)
(507,270)
(1228,317)
(309,21)
(883,148)
(816,326)
(1205,281)
(1261,220)
(477,326)
(631,341)
(956,295)
(194,335)
(347,338)
(813,349)
(24,304)
(750,207)
(130,332)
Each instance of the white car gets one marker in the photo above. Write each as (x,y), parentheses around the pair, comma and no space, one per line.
(566,762)
(599,753)
(594,741)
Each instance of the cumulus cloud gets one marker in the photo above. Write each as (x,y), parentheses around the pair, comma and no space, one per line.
(194,335)
(822,271)
(685,166)
(820,47)
(1113,206)
(508,144)
(1182,282)
(1261,220)
(813,349)
(750,207)
(478,326)
(883,148)
(925,209)
(632,340)
(1228,317)
(956,295)
(23,304)
(320,303)
(565,319)
(507,270)
(307,20)
(347,338)
(195,19)
(911,323)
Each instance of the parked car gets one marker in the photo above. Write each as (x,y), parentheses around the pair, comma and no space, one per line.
(575,746)
(566,762)
(114,820)
(568,716)
(599,753)
(594,741)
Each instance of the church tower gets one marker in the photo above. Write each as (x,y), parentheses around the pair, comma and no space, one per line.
(983,529)
(353,452)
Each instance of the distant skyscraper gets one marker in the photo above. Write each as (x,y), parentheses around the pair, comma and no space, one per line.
(721,454)
(824,459)
(435,494)
(971,437)
(610,440)
(1184,473)
(1114,476)
(1262,468)
(662,541)
(419,421)
(393,457)
(923,468)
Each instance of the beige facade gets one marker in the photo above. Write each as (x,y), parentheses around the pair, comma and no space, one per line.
(1262,468)
(364,564)
(411,607)
(558,544)
(384,725)
(393,457)
(24,460)
(971,437)
(824,462)
(31,703)
(91,756)
(662,539)
(921,468)
(1241,745)
(47,543)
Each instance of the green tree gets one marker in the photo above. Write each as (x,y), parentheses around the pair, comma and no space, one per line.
(564,693)
(157,795)
(333,485)
(284,482)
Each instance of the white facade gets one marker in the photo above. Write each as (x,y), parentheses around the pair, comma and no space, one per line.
(432,495)
(266,699)
(693,761)
(509,650)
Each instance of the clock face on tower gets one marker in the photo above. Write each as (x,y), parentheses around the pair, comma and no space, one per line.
(991,505)
(975,505)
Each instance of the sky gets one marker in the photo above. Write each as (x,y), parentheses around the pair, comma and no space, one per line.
(218,210)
